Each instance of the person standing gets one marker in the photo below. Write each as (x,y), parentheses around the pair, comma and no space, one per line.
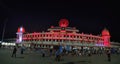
(109,55)
(89,53)
(58,53)
(43,53)
(14,52)
(22,50)
(50,52)
(57,58)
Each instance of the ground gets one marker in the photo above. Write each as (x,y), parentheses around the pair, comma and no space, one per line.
(31,57)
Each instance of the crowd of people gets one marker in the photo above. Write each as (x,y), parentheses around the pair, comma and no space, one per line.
(59,51)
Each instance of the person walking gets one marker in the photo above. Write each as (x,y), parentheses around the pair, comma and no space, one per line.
(14,52)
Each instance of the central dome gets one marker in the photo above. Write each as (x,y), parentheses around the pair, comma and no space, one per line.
(63,23)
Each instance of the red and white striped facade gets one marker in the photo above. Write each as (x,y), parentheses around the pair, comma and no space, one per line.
(64,35)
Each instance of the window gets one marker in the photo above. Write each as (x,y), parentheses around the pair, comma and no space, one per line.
(50,40)
(57,40)
(60,40)
(67,35)
(64,36)
(35,35)
(74,36)
(53,39)
(81,37)
(50,35)
(46,35)
(43,39)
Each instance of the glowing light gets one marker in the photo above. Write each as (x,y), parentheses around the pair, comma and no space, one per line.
(20,39)
(7,44)
(21,29)
(99,45)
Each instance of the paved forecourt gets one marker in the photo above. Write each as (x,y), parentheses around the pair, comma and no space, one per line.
(31,57)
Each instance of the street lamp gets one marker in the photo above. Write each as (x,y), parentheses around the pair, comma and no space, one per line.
(3,31)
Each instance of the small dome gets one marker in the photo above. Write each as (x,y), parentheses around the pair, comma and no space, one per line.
(105,32)
(21,29)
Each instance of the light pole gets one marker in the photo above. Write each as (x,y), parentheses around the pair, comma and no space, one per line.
(3,31)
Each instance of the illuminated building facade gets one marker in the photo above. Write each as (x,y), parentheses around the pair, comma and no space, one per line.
(64,35)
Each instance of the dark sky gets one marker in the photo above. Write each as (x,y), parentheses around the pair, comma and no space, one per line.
(36,16)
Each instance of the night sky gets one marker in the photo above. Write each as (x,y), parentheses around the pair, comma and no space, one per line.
(36,16)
